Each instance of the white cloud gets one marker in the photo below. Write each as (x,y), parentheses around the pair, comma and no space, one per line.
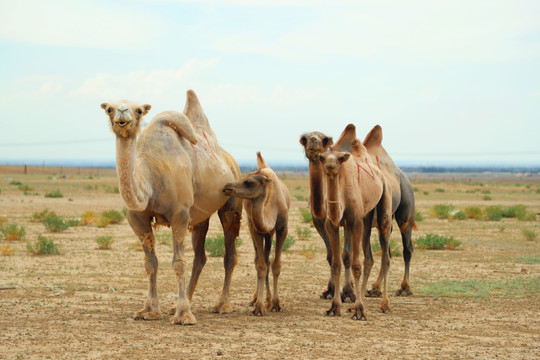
(93,24)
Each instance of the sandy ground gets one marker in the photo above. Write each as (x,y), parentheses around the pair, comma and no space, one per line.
(79,304)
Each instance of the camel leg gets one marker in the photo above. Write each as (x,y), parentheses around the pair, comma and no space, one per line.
(348,288)
(281,235)
(406,227)
(229,215)
(358,234)
(198,237)
(262,270)
(333,233)
(140,223)
(319,225)
(376,287)
(267,248)
(183,314)
(384,222)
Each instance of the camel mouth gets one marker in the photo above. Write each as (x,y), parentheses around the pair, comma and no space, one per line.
(227,190)
(122,123)
(312,154)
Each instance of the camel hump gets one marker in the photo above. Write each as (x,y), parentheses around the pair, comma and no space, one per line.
(261,164)
(193,110)
(346,139)
(374,137)
(178,122)
(358,149)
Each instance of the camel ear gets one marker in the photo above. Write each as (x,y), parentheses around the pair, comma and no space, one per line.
(303,140)
(261,164)
(344,157)
(327,141)
(107,107)
(146,108)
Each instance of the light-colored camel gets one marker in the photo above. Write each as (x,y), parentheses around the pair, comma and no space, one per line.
(403,208)
(316,143)
(267,202)
(173,174)
(356,190)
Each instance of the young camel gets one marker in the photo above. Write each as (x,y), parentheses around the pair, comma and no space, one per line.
(316,143)
(356,190)
(267,202)
(173,174)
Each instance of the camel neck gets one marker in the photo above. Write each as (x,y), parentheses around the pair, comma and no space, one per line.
(316,189)
(134,188)
(263,214)
(334,206)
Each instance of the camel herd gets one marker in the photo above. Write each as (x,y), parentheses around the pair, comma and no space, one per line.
(175,173)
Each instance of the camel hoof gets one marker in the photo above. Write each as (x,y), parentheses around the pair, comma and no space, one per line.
(147,315)
(359,313)
(172,311)
(258,310)
(185,319)
(385,307)
(404,291)
(375,292)
(335,310)
(328,293)
(348,292)
(275,306)
(357,317)
(220,308)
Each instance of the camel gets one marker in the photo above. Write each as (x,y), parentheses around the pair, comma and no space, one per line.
(403,208)
(356,191)
(172,174)
(316,143)
(267,202)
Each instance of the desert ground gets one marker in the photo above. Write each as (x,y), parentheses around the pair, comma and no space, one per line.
(480,300)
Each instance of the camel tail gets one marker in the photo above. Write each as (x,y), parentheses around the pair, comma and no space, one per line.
(414,226)
(261,164)
(178,122)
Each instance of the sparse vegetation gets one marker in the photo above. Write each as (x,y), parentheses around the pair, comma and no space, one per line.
(493,213)
(215,245)
(25,188)
(486,198)
(459,215)
(54,224)
(436,242)
(418,217)
(481,288)
(3,220)
(289,241)
(164,238)
(300,197)
(529,234)
(303,233)
(7,250)
(439,190)
(473,212)
(13,232)
(54,194)
(309,252)
(306,215)
(103,221)
(38,216)
(88,218)
(43,246)
(114,216)
(15,182)
(394,248)
(442,211)
(104,242)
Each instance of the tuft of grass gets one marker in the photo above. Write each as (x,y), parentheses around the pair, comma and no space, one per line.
(104,242)
(520,212)
(426,192)
(418,217)
(473,212)
(529,234)
(485,191)
(13,232)
(3,220)
(459,215)
(137,246)
(114,216)
(103,221)
(436,242)
(25,188)
(15,182)
(493,213)
(303,233)
(38,216)
(306,216)
(215,245)
(164,238)
(289,241)
(54,194)
(533,259)
(88,218)
(442,211)
(300,197)
(415,189)
(439,190)
(482,289)
(309,252)
(43,246)
(394,248)
(486,198)
(54,224)
(7,250)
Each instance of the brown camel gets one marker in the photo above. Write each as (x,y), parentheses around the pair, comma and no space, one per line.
(316,143)
(173,175)
(267,202)
(356,191)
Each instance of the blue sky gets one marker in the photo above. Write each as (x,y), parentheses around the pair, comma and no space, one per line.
(449,81)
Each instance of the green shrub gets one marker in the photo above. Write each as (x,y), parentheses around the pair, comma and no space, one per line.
(487,198)
(114,216)
(303,233)
(436,242)
(442,211)
(103,221)
(529,234)
(164,238)
(15,182)
(493,213)
(518,211)
(418,217)
(394,248)
(25,188)
(473,212)
(13,232)
(439,190)
(459,215)
(415,189)
(300,197)
(43,246)
(88,218)
(73,222)
(53,223)
(306,215)
(54,194)
(485,191)
(38,216)
(289,241)
(3,220)
(215,245)
(104,242)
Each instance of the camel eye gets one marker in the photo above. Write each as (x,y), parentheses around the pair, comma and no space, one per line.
(248,183)
(109,110)
(139,111)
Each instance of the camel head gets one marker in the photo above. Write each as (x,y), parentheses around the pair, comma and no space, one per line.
(315,143)
(126,117)
(331,162)
(251,186)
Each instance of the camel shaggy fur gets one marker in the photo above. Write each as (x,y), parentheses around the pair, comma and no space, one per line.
(356,190)
(173,174)
(267,202)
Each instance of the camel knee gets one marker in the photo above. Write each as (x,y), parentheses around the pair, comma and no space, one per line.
(346,257)
(150,264)
(276,268)
(356,268)
(261,269)
(336,266)
(179,265)
(148,241)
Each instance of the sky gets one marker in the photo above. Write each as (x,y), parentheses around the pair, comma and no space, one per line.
(450,82)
